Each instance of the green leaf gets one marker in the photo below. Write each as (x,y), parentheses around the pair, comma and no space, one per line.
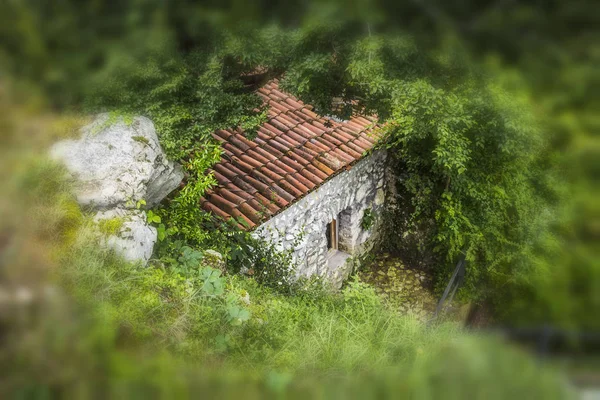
(238,315)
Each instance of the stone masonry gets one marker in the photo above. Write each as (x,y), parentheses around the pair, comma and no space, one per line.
(345,197)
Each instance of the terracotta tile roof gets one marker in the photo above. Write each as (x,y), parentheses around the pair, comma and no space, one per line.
(294,152)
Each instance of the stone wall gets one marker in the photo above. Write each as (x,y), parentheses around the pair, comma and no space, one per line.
(345,197)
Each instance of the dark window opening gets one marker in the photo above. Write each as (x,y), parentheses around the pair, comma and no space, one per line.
(332,235)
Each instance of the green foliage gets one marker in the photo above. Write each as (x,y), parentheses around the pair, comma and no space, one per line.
(152,218)
(190,259)
(367,219)
(559,76)
(238,315)
(184,307)
(360,294)
(213,283)
(161,232)
(307,335)
(306,345)
(463,165)
(263,260)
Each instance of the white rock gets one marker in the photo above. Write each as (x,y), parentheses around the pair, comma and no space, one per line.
(362,191)
(379,197)
(117,164)
(135,239)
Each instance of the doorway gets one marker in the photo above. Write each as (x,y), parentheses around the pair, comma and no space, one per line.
(335,257)
(331,231)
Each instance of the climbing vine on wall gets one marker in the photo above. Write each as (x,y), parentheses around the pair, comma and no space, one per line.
(367,219)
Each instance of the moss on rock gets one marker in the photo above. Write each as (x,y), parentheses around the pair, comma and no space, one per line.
(112,226)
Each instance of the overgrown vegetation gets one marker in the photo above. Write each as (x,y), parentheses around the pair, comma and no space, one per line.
(467,162)
(367,220)
(491,133)
(192,330)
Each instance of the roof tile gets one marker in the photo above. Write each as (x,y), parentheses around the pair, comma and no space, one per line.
(294,152)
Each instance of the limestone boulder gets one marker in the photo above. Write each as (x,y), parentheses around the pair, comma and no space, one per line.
(117,163)
(127,233)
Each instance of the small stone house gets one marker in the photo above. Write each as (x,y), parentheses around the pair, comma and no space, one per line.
(309,183)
